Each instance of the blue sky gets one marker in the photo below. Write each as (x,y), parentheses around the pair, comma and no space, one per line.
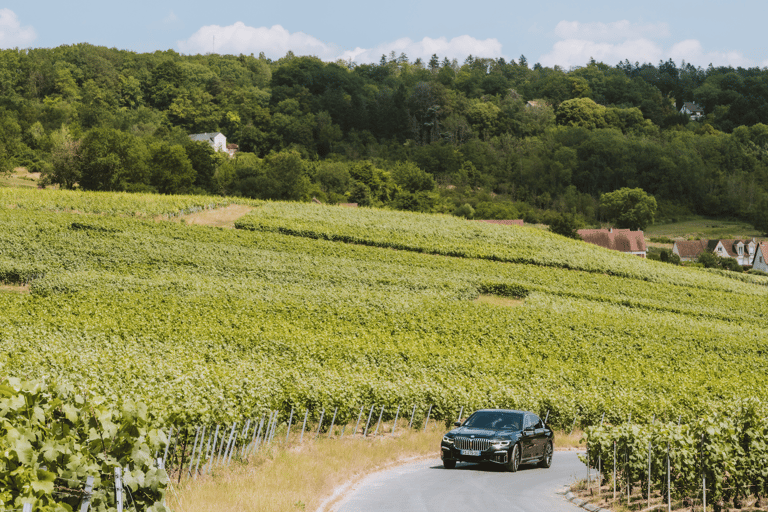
(549,32)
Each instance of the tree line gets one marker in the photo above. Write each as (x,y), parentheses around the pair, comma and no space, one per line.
(486,138)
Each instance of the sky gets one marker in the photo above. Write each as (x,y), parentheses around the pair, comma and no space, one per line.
(552,33)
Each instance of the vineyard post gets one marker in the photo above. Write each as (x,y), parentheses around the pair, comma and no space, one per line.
(546,418)
(573,426)
(333,420)
(229,442)
(367,423)
(359,416)
(614,470)
(118,489)
(86,495)
(303,426)
(213,449)
(379,423)
(268,432)
(461,413)
(703,475)
(649,473)
(257,437)
(669,482)
(245,436)
(232,448)
(320,423)
(274,426)
(170,438)
(194,448)
(410,423)
(394,425)
(426,422)
(589,481)
(290,419)
(200,452)
(217,455)
(183,452)
(26,508)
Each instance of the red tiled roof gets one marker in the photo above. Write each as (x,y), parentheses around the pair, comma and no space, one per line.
(509,222)
(690,249)
(623,240)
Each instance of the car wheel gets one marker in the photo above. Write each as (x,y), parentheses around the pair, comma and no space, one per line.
(514,459)
(449,464)
(547,460)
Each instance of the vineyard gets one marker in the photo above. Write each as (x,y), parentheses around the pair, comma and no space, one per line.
(315,307)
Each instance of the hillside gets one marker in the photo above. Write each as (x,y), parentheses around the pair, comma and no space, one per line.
(316,306)
(510,140)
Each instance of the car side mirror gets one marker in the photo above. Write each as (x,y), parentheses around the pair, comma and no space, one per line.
(456,423)
(528,429)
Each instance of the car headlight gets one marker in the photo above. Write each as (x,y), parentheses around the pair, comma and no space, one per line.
(500,444)
(447,439)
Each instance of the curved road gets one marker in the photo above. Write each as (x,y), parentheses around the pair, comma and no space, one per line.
(426,486)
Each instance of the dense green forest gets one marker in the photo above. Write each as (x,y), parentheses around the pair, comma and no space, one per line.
(484,138)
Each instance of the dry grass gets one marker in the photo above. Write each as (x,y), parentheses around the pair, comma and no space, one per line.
(300,476)
(568,440)
(20,178)
(220,217)
(14,288)
(499,301)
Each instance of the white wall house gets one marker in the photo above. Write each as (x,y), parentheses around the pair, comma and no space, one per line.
(761,258)
(693,110)
(217,140)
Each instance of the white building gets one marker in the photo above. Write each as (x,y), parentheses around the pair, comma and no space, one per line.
(693,110)
(217,140)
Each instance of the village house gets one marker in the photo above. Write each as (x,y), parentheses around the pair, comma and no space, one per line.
(216,140)
(760,261)
(622,240)
(693,110)
(743,251)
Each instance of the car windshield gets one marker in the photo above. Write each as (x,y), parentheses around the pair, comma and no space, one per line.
(495,420)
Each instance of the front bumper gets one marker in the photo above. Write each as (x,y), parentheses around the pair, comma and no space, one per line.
(448,452)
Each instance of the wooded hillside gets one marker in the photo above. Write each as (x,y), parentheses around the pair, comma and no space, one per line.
(507,139)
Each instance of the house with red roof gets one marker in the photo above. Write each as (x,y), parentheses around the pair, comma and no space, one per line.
(743,251)
(760,261)
(622,240)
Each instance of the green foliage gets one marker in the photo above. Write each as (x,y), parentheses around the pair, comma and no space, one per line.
(629,208)
(724,443)
(566,225)
(53,438)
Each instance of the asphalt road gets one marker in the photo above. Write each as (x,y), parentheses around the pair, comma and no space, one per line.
(427,486)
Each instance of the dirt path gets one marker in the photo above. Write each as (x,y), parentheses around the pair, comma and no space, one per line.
(220,217)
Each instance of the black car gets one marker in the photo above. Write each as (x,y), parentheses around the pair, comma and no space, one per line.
(500,436)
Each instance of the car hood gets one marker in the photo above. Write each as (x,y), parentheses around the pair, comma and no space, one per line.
(482,432)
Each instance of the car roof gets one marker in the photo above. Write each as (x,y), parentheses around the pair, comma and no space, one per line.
(503,410)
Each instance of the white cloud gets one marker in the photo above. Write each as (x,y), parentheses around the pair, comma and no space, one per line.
(614,42)
(170,18)
(12,34)
(691,51)
(577,52)
(456,48)
(614,31)
(276,41)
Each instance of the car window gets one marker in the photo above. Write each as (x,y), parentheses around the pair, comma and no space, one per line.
(536,421)
(497,420)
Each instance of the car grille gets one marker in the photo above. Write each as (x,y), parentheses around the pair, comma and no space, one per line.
(465,443)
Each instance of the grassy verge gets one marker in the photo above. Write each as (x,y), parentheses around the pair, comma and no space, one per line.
(300,476)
